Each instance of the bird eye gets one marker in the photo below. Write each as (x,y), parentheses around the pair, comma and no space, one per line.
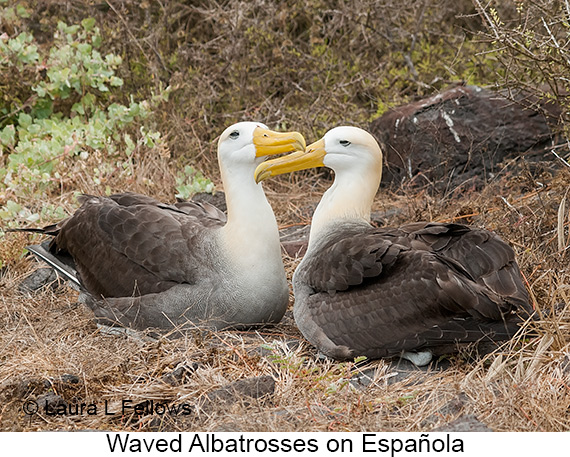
(234,135)
(344,143)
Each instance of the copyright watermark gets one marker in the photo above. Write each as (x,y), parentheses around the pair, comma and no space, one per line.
(125,407)
(30,407)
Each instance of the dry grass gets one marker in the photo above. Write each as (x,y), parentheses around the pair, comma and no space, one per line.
(309,69)
(523,386)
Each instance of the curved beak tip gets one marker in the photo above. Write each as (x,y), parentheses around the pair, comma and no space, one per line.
(261,174)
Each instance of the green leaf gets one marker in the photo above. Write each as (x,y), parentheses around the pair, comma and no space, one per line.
(135,109)
(129,143)
(113,60)
(84,48)
(43,108)
(40,90)
(88,101)
(22,11)
(24,120)
(78,108)
(8,135)
(88,24)
(96,41)
(34,129)
(67,29)
(116,81)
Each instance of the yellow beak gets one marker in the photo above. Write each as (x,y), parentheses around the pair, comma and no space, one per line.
(268,142)
(312,157)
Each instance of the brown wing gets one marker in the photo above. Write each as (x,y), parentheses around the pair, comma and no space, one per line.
(130,244)
(483,254)
(379,292)
(348,257)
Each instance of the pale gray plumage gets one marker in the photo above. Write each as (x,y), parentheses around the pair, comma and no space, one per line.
(147,264)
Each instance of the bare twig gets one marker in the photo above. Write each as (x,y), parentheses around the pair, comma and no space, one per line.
(560,158)
(560,225)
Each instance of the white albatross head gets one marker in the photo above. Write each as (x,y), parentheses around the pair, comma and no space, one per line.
(251,234)
(246,144)
(349,151)
(356,159)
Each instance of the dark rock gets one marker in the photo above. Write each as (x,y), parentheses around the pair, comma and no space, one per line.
(70,378)
(177,376)
(37,280)
(23,388)
(382,218)
(257,387)
(260,388)
(460,137)
(467,423)
(454,406)
(294,249)
(363,379)
(565,365)
(164,423)
(50,401)
(246,392)
(451,409)
(228,427)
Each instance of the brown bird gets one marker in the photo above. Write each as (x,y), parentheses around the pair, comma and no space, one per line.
(145,264)
(381,292)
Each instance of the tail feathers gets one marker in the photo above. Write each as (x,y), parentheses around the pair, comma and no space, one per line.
(52,230)
(28,229)
(61,267)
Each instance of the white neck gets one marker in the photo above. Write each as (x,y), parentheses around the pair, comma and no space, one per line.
(348,199)
(251,235)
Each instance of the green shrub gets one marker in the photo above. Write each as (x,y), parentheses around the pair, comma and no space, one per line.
(67,107)
(192,181)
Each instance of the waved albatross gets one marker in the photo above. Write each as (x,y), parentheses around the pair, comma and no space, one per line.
(408,291)
(147,264)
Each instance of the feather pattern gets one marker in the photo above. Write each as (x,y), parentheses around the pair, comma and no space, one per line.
(142,263)
(382,291)
(153,246)
(379,292)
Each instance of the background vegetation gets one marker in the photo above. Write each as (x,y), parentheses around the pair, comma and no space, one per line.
(95,89)
(115,95)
